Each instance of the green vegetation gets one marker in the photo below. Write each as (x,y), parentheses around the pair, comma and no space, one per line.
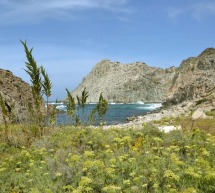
(100,110)
(114,160)
(40,121)
(47,86)
(35,108)
(200,101)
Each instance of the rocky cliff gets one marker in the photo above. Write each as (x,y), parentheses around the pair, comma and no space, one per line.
(194,79)
(16,94)
(126,83)
(134,82)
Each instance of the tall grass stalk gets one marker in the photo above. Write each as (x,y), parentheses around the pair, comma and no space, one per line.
(34,71)
(100,109)
(71,106)
(82,101)
(47,86)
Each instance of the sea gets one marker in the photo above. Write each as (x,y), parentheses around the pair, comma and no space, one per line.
(116,113)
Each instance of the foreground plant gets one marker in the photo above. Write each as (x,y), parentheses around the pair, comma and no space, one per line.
(70,108)
(81,104)
(144,160)
(100,110)
(39,87)
(47,86)
(78,111)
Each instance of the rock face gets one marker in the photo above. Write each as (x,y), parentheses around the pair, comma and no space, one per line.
(194,79)
(16,94)
(127,83)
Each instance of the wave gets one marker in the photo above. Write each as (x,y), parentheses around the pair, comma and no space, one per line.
(140,102)
(61,107)
(54,103)
(150,106)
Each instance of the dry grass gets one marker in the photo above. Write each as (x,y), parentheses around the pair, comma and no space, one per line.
(207,125)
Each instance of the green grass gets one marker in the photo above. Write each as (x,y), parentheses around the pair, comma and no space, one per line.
(114,160)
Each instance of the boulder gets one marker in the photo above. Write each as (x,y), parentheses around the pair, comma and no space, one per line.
(198,114)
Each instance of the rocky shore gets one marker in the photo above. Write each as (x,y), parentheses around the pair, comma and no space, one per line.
(186,109)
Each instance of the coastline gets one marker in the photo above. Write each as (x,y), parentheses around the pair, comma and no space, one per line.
(185,109)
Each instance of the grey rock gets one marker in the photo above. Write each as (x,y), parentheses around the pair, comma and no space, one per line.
(199,113)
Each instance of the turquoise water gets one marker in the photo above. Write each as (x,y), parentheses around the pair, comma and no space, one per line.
(116,113)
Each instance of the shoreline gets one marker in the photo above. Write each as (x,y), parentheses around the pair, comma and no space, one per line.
(185,109)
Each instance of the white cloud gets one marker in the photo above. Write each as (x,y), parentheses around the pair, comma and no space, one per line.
(31,10)
(175,12)
(203,10)
(198,11)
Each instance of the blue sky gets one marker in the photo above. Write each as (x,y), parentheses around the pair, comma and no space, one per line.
(70,36)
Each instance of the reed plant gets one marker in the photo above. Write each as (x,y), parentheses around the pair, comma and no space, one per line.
(83,102)
(102,108)
(41,85)
(77,111)
(99,111)
(47,86)
(70,107)
(34,71)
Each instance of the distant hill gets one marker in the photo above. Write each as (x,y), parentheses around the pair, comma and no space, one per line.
(127,83)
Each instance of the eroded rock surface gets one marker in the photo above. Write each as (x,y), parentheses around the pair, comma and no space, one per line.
(16,94)
(126,83)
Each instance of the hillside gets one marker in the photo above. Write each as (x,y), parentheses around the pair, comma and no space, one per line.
(194,79)
(16,94)
(126,83)
(134,82)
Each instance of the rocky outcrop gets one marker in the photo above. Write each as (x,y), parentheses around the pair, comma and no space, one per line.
(126,83)
(16,94)
(194,79)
